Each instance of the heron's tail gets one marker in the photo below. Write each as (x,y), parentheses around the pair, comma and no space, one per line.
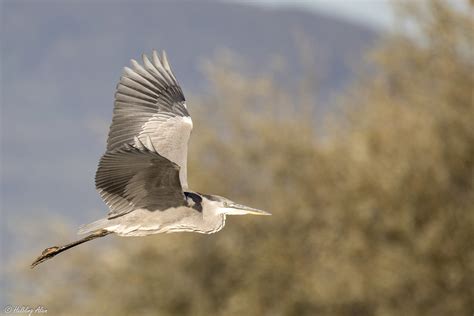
(50,252)
(102,223)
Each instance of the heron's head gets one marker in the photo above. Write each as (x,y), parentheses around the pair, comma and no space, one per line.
(228,207)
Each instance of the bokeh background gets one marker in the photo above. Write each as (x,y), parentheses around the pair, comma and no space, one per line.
(353,123)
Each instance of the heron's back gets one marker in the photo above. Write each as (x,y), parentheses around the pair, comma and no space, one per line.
(142,222)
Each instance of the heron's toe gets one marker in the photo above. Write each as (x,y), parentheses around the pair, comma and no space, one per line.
(49,250)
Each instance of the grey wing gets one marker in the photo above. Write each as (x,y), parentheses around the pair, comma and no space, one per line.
(149,102)
(133,177)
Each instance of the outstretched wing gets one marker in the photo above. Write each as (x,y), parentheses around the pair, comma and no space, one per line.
(149,102)
(133,177)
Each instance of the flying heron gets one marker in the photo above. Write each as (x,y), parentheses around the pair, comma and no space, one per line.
(142,175)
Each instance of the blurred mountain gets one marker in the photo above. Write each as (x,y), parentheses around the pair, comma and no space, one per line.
(189,31)
(257,35)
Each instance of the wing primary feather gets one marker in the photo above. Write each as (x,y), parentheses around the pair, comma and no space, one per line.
(159,66)
(160,70)
(164,58)
(160,78)
(133,84)
(140,94)
(140,70)
(156,70)
(136,76)
(167,67)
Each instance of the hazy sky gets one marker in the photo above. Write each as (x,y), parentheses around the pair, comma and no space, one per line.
(375,13)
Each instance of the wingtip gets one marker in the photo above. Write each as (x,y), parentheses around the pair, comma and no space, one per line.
(156,58)
(165,62)
(135,64)
(126,71)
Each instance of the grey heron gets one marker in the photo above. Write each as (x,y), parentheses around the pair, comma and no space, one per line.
(142,176)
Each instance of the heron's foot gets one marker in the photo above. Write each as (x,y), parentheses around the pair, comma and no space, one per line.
(45,255)
(49,250)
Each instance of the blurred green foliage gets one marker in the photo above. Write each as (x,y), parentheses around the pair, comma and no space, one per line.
(373,214)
